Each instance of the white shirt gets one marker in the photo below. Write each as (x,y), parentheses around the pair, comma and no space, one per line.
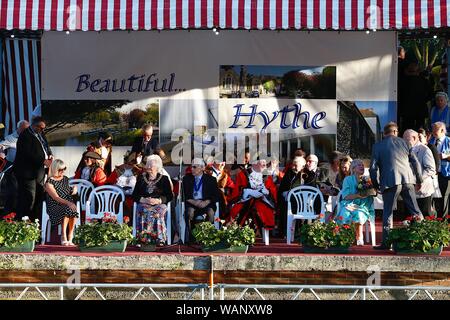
(10,143)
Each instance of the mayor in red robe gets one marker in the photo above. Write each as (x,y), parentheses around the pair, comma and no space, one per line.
(254,197)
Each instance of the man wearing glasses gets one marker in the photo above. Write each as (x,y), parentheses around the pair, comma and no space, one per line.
(147,144)
(33,156)
(200,192)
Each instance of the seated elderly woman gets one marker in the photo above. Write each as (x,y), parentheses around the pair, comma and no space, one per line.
(60,205)
(152,192)
(89,169)
(354,207)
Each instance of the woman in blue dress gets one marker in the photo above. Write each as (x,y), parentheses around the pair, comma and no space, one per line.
(355,208)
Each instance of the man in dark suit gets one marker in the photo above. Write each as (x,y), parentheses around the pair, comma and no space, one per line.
(32,157)
(200,193)
(399,170)
(146,145)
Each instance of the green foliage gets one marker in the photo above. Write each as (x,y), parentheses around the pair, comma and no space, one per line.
(326,235)
(422,236)
(99,234)
(426,51)
(232,234)
(14,233)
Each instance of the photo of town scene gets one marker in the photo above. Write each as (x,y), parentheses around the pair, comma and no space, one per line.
(377,114)
(77,123)
(241,81)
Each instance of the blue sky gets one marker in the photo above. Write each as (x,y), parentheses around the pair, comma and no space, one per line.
(386,110)
(277,70)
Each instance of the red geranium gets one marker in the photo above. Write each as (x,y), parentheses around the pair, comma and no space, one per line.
(346,226)
(9,217)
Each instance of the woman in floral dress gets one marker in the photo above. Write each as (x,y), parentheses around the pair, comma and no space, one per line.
(152,193)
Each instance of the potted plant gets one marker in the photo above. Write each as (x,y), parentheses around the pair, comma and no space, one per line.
(230,238)
(18,236)
(106,235)
(147,240)
(330,237)
(428,236)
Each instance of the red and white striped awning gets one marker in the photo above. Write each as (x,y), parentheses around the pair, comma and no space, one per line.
(227,14)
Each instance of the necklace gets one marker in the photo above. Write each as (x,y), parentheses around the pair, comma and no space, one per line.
(197,186)
(151,184)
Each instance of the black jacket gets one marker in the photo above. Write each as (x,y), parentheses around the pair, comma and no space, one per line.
(210,189)
(30,156)
(152,147)
(162,189)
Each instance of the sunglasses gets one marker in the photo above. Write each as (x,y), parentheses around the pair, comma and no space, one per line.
(62,170)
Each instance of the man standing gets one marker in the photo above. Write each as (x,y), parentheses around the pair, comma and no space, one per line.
(10,144)
(32,157)
(442,143)
(399,171)
(146,145)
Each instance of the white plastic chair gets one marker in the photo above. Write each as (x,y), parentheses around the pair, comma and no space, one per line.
(84,189)
(104,199)
(182,222)
(168,222)
(45,224)
(305,197)
(369,226)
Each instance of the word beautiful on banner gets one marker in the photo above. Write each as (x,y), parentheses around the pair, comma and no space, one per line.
(289,116)
(134,83)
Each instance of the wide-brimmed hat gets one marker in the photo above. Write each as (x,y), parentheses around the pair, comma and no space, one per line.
(92,155)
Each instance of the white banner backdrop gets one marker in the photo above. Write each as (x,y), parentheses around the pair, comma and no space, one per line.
(185,65)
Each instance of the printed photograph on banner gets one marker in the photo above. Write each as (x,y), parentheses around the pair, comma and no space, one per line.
(361,125)
(193,122)
(78,123)
(251,81)
(378,114)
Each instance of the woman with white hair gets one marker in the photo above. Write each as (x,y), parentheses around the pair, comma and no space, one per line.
(60,205)
(354,207)
(152,193)
(440,111)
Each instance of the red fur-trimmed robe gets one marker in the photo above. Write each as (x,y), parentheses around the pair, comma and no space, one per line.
(260,210)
